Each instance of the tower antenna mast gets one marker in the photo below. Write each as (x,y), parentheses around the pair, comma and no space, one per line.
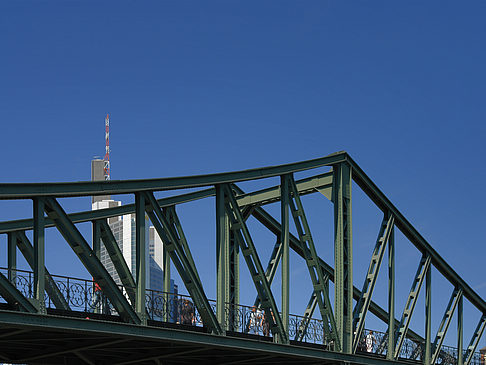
(106,167)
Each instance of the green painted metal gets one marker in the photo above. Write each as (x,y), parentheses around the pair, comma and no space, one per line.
(284,216)
(96,236)
(361,308)
(96,232)
(166,284)
(13,296)
(272,266)
(172,336)
(312,260)
(247,248)
(402,329)
(234,270)
(116,257)
(391,296)
(222,248)
(428,318)
(181,262)
(140,256)
(274,226)
(444,324)
(75,189)
(321,183)
(473,344)
(173,219)
(250,203)
(460,323)
(112,187)
(382,202)
(39,255)
(84,252)
(11,256)
(343,255)
(27,250)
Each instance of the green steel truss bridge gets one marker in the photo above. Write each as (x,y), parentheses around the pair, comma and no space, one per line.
(49,319)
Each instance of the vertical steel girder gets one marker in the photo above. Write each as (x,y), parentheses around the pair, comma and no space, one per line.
(176,251)
(401,332)
(249,252)
(473,344)
(166,284)
(318,279)
(460,322)
(12,256)
(391,296)
(428,318)
(234,270)
(222,255)
(116,257)
(13,296)
(27,250)
(39,255)
(140,255)
(274,226)
(284,214)
(94,266)
(343,254)
(361,308)
(444,324)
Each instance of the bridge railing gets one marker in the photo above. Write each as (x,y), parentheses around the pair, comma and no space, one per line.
(411,350)
(83,295)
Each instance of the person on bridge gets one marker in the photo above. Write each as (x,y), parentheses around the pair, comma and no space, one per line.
(256,320)
(370,341)
(187,312)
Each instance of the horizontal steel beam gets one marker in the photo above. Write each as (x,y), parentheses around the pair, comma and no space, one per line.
(111,187)
(272,194)
(321,183)
(92,215)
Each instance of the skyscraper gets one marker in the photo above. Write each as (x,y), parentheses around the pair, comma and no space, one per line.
(123,229)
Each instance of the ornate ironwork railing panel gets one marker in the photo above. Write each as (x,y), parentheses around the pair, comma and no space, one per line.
(83,295)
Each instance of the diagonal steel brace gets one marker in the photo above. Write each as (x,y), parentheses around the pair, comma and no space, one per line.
(253,262)
(361,308)
(94,266)
(181,262)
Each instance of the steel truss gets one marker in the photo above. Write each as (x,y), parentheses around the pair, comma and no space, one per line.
(343,326)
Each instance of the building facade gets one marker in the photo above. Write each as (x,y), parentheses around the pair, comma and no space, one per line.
(123,228)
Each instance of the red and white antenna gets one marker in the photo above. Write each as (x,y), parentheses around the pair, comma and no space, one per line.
(106,167)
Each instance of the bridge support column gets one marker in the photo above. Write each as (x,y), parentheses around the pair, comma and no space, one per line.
(391,296)
(284,199)
(460,331)
(222,257)
(39,256)
(234,279)
(428,317)
(169,300)
(140,256)
(12,256)
(343,255)
(97,251)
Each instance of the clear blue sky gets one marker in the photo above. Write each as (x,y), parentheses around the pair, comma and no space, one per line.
(198,87)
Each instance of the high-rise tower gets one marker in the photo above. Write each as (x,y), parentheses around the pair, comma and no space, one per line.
(123,229)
